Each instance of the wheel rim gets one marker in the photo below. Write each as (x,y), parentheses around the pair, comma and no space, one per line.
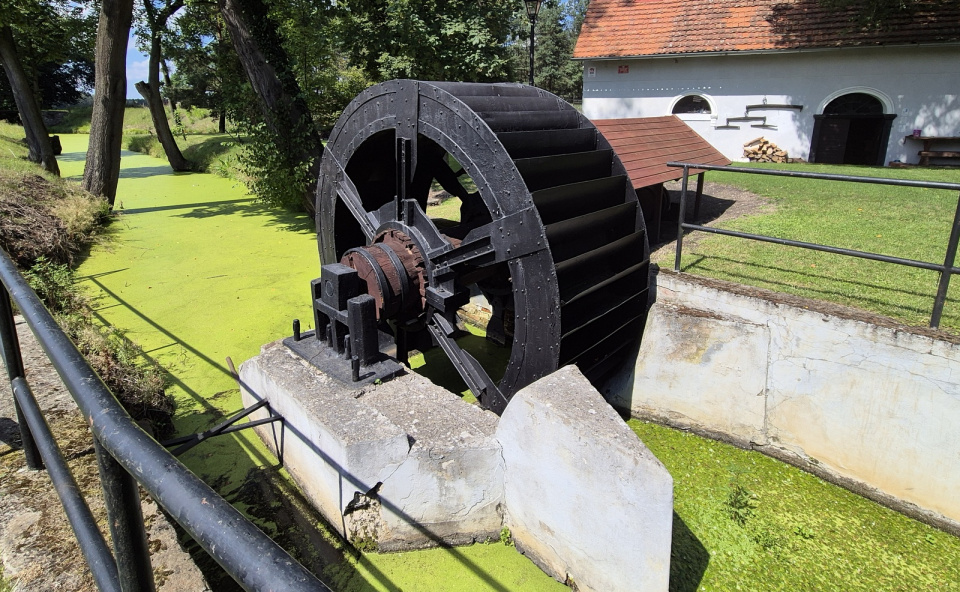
(561,221)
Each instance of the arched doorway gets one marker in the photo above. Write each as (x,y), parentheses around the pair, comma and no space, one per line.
(853,129)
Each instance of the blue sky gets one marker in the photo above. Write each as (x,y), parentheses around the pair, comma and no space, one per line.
(137,64)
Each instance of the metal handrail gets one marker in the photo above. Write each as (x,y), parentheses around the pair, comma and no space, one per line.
(125,452)
(946,269)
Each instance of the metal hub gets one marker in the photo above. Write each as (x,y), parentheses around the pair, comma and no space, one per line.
(392,271)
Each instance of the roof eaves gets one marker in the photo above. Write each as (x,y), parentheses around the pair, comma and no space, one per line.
(730,52)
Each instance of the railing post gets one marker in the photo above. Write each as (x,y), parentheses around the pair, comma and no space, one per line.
(945,273)
(122,499)
(10,344)
(683,209)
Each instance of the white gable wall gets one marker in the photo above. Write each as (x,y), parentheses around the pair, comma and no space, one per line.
(921,85)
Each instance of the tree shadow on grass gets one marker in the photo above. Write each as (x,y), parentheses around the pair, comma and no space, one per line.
(688,558)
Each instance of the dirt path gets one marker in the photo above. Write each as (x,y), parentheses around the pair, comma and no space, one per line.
(37,546)
(720,203)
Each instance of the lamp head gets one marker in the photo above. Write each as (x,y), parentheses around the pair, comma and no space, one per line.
(533,7)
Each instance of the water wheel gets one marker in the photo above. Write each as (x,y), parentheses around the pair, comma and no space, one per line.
(549,230)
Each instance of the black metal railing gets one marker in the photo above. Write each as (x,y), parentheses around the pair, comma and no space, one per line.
(126,456)
(946,269)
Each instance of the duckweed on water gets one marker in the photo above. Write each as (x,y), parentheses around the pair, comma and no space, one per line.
(800,532)
(196,272)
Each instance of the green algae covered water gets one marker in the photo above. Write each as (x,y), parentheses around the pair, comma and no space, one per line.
(195,271)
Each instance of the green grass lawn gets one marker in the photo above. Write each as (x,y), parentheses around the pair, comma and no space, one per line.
(898,221)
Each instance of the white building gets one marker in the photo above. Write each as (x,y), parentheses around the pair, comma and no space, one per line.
(806,78)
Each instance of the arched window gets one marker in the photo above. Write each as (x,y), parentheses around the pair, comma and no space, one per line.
(691,104)
(854,104)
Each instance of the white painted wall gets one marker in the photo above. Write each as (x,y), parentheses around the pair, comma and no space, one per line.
(921,85)
(873,404)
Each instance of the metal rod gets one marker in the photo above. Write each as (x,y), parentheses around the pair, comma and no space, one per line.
(947,270)
(122,499)
(699,196)
(191,441)
(257,564)
(823,176)
(94,548)
(10,345)
(680,224)
(824,248)
(533,30)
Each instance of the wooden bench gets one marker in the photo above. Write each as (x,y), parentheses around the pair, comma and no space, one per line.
(928,152)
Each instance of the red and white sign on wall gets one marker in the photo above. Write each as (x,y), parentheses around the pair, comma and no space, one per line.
(624,69)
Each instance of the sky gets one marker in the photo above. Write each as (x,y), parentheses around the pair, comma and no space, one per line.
(137,64)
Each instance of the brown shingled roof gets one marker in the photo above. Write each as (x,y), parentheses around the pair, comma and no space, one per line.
(622,28)
(646,144)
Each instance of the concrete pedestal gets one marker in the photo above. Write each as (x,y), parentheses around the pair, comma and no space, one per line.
(406,464)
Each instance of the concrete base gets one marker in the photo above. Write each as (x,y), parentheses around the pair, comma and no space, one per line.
(406,464)
(400,465)
(585,498)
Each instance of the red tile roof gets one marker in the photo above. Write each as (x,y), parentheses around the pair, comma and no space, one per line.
(622,28)
(646,144)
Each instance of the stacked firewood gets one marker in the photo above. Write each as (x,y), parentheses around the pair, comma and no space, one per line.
(763,150)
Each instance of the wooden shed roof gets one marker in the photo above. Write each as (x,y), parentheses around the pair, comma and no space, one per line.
(646,144)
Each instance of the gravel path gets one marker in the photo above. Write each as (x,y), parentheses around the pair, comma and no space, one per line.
(37,546)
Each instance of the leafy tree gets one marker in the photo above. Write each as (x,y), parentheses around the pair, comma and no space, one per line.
(54,40)
(555,70)
(152,30)
(429,39)
(102,170)
(38,140)
(208,73)
(285,154)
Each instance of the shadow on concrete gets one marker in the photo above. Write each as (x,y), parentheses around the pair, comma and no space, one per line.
(349,482)
(688,558)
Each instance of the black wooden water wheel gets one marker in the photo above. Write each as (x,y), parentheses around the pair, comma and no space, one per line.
(549,229)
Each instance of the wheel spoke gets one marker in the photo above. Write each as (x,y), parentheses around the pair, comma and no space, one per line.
(351,198)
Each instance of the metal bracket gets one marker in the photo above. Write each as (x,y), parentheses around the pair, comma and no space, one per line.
(225,427)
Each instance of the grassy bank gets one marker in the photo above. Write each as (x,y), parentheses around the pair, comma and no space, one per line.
(898,221)
(196,132)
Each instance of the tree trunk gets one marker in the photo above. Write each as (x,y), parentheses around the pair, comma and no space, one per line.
(166,81)
(102,171)
(222,124)
(254,38)
(151,94)
(151,89)
(38,140)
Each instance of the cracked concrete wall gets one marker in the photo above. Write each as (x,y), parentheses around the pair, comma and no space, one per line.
(873,403)
(402,465)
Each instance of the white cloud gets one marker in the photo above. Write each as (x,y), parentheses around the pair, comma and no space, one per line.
(137,71)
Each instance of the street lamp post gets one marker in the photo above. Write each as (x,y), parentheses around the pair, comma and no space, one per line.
(533,7)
